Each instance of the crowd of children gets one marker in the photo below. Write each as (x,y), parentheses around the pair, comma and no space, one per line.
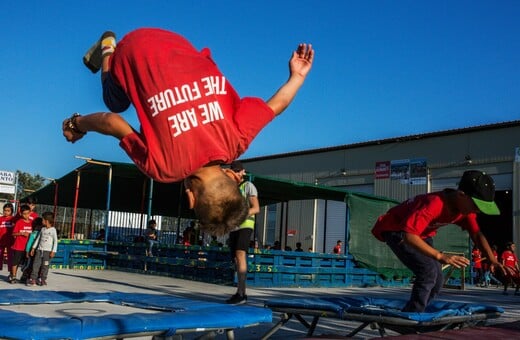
(28,243)
(484,274)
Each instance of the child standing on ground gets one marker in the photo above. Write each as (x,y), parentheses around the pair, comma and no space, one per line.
(22,230)
(6,231)
(44,249)
(37,226)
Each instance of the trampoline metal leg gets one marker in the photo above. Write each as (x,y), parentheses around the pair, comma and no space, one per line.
(380,328)
(283,320)
(230,334)
(313,325)
(302,320)
(358,329)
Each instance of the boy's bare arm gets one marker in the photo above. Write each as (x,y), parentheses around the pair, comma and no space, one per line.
(106,123)
(418,243)
(254,205)
(299,66)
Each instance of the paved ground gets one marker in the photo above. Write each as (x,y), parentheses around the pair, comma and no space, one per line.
(108,281)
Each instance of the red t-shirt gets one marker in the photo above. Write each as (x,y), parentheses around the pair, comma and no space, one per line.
(422,216)
(33,215)
(337,249)
(6,229)
(509,258)
(190,115)
(21,241)
(476,257)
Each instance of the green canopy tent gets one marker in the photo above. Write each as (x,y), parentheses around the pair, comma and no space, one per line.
(130,190)
(122,187)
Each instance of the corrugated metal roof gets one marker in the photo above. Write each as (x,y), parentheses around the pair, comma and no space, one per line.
(476,128)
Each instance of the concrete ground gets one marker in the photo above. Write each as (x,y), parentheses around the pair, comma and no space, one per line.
(109,281)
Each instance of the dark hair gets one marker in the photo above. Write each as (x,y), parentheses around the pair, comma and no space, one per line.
(220,207)
(9,205)
(151,222)
(25,207)
(37,222)
(49,217)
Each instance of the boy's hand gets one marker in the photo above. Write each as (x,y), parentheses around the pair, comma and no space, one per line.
(51,255)
(69,134)
(454,260)
(301,60)
(32,252)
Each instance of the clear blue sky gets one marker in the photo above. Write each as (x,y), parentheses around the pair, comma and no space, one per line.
(382,68)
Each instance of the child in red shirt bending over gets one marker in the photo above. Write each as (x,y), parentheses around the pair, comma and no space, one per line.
(22,230)
(191,118)
(409,227)
(510,260)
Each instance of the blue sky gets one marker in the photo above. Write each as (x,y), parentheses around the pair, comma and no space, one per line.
(382,68)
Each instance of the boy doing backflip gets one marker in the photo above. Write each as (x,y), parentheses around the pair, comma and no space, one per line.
(408,229)
(191,118)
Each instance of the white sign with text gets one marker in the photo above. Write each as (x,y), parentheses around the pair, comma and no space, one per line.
(7,177)
(7,189)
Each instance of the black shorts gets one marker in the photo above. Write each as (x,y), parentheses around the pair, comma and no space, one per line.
(18,257)
(113,95)
(239,239)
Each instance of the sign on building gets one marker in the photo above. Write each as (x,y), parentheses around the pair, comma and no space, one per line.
(7,182)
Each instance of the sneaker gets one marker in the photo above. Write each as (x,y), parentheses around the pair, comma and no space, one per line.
(93,59)
(30,282)
(13,280)
(43,282)
(237,299)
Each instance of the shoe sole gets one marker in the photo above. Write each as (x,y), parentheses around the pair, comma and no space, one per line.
(237,303)
(93,59)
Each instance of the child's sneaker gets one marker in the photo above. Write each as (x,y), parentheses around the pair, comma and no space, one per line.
(237,299)
(30,282)
(106,45)
(42,282)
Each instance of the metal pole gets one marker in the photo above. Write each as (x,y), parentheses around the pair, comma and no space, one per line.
(16,192)
(150,201)
(109,191)
(325,227)
(108,200)
(179,206)
(76,195)
(55,198)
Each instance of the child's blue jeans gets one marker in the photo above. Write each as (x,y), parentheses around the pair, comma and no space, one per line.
(428,271)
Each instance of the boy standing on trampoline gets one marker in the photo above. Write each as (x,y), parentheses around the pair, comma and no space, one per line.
(191,118)
(408,229)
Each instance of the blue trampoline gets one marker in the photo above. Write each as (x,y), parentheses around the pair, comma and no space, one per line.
(163,315)
(381,314)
